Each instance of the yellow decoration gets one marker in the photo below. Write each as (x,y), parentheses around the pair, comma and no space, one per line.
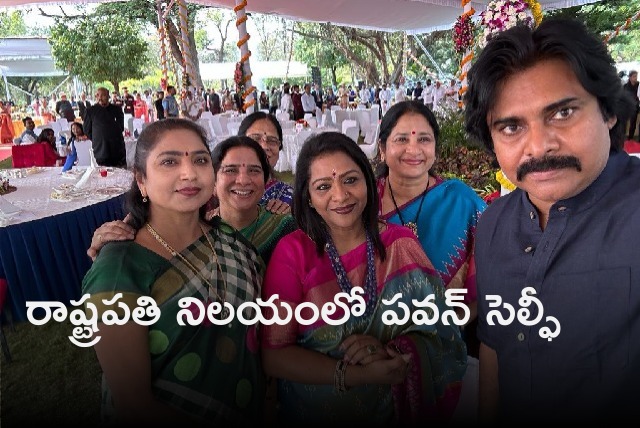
(536,11)
(504,181)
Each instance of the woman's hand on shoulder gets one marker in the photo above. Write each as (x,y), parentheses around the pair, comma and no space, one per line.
(111,231)
(277,206)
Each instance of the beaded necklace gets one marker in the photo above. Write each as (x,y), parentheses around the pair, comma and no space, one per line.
(211,288)
(413,225)
(370,286)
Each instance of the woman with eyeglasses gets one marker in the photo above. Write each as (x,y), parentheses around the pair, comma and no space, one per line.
(266,131)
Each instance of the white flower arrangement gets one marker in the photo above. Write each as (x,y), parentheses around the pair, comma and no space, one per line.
(503,14)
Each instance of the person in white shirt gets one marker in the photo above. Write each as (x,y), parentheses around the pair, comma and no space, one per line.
(400,94)
(427,95)
(308,102)
(364,95)
(385,98)
(285,102)
(451,95)
(191,107)
(438,95)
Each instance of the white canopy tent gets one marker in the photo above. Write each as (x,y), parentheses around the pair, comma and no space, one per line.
(411,16)
(26,57)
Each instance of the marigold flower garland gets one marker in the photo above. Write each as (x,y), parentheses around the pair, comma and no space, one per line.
(504,181)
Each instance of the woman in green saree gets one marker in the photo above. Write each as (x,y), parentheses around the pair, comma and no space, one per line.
(166,373)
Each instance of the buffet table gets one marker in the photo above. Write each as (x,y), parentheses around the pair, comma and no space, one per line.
(44,237)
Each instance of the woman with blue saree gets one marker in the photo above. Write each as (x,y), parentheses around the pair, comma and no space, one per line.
(363,371)
(442,214)
(164,373)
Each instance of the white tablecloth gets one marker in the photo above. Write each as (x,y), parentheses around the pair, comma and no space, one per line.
(33,194)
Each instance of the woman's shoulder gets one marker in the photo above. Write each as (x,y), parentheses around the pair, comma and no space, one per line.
(457,189)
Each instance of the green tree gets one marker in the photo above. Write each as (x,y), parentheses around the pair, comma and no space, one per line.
(99,48)
(12,23)
(146,12)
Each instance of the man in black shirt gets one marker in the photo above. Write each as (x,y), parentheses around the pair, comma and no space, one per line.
(104,124)
(158,104)
(632,88)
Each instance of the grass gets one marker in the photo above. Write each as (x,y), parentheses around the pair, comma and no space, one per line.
(6,163)
(50,380)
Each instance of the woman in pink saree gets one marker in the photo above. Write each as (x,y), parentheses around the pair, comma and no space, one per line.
(361,371)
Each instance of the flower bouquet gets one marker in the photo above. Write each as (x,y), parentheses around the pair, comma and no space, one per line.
(463,34)
(301,124)
(501,15)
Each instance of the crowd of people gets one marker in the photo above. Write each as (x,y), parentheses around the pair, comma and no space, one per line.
(218,228)
(402,234)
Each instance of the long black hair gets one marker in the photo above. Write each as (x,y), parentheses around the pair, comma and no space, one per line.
(520,48)
(307,219)
(149,137)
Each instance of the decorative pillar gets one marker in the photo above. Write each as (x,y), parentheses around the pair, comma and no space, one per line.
(248,94)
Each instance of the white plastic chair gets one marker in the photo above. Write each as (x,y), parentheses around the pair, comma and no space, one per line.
(346,124)
(364,120)
(340,116)
(206,125)
(370,150)
(64,124)
(282,117)
(334,108)
(313,123)
(233,128)
(137,126)
(83,150)
(218,130)
(319,115)
(56,128)
(374,113)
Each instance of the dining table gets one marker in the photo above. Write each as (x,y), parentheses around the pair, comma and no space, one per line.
(46,224)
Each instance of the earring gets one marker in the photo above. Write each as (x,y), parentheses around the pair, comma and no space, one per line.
(144,198)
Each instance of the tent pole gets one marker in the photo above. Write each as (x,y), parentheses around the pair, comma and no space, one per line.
(433,61)
(245,53)
(6,84)
(188,74)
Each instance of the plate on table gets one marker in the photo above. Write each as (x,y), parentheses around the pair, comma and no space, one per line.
(60,197)
(63,188)
(110,191)
(34,170)
(73,174)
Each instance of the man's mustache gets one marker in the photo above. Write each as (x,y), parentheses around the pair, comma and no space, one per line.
(548,163)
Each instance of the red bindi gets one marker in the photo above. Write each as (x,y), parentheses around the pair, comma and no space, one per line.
(413,132)
(186,154)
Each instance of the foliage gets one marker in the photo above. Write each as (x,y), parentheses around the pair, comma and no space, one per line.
(459,157)
(12,23)
(374,56)
(99,48)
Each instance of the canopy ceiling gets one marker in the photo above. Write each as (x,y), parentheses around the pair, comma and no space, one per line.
(27,57)
(412,16)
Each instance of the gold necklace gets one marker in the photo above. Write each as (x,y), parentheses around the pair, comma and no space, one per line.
(174,253)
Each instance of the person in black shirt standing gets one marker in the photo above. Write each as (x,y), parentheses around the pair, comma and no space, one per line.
(128,100)
(158,105)
(632,87)
(104,124)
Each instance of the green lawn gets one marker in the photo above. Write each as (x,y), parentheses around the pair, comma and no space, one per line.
(50,380)
(6,163)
